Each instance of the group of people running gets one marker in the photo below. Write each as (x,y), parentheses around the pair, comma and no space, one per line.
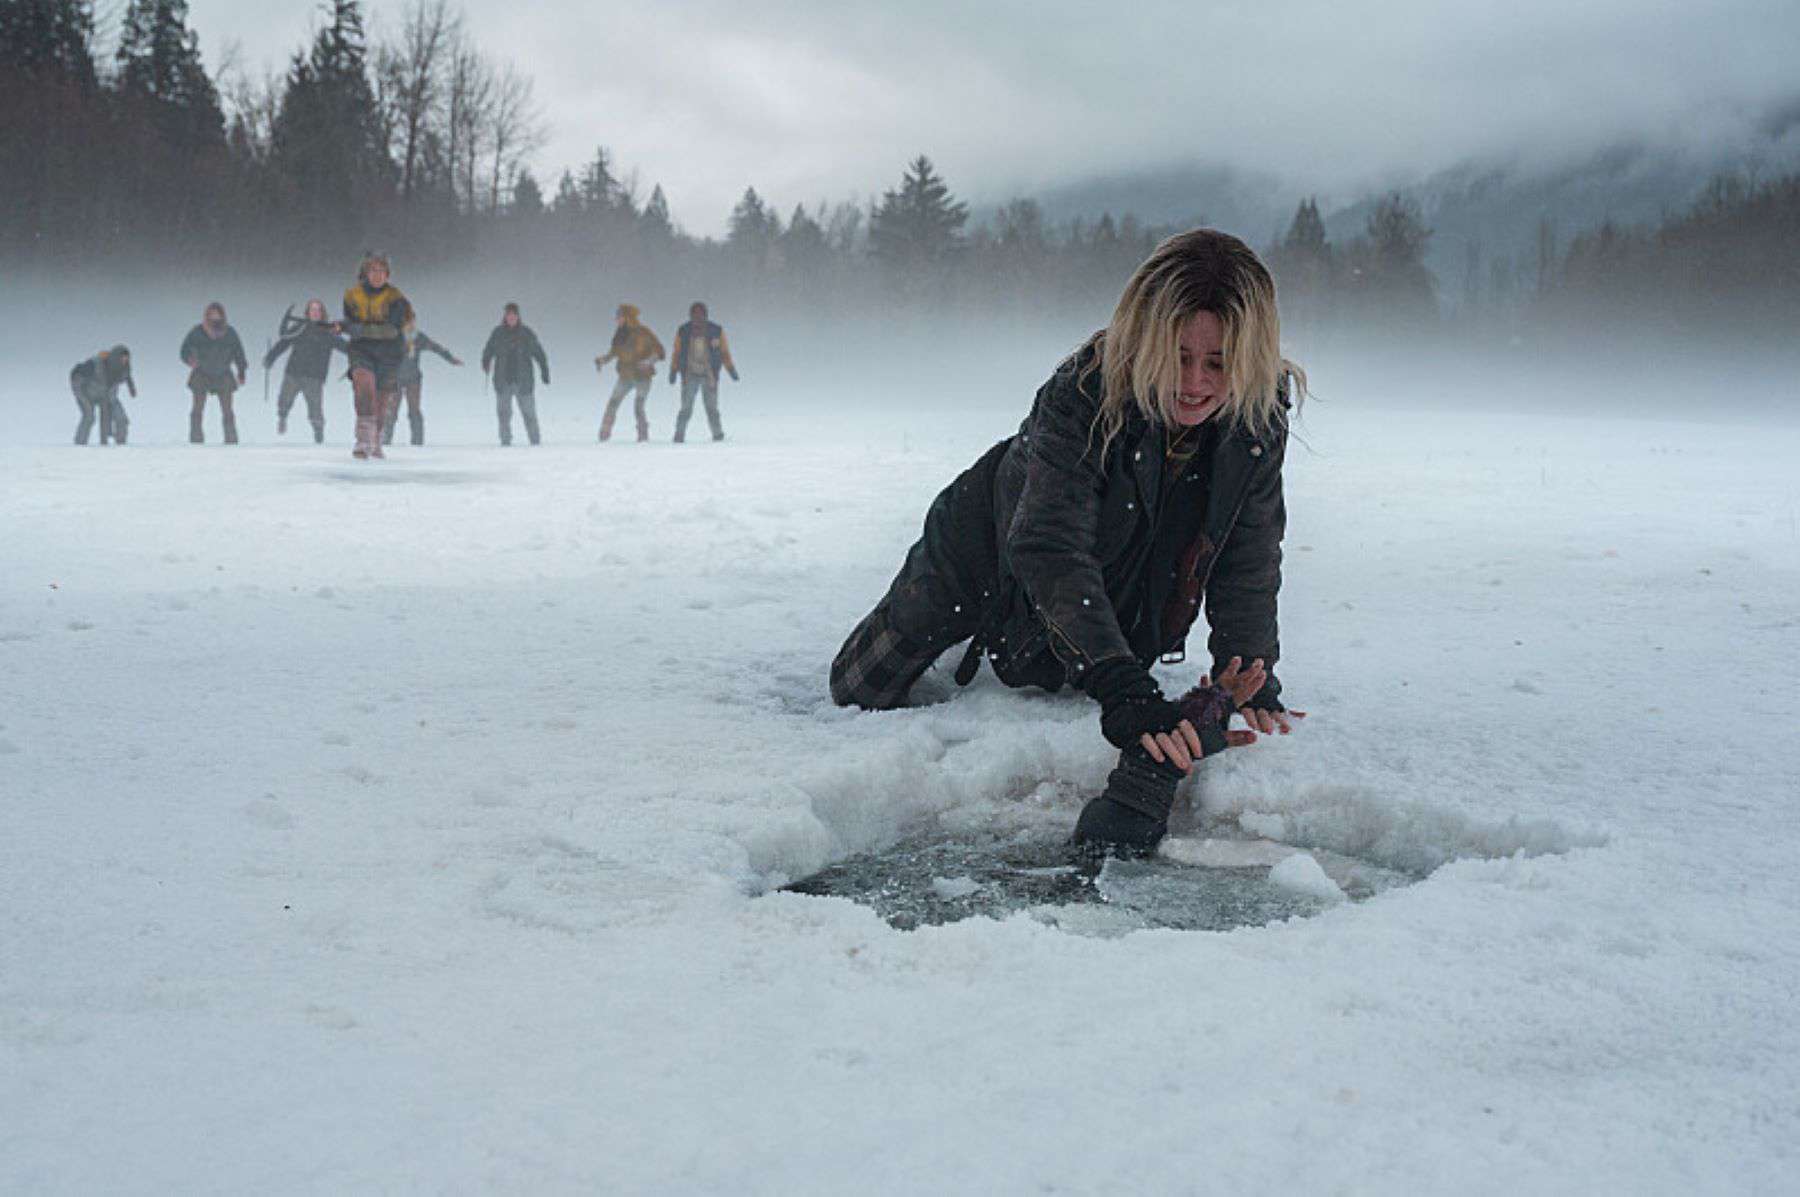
(379,337)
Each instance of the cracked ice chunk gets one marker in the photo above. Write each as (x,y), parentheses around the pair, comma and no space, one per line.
(1301,874)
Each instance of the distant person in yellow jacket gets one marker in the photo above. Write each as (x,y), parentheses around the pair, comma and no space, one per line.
(637,351)
(700,353)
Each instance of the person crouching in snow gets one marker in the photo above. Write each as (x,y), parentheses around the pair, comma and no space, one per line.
(309,348)
(1143,490)
(637,351)
(216,365)
(96,384)
(377,318)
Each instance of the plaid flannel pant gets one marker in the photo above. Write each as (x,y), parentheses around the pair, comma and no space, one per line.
(878,664)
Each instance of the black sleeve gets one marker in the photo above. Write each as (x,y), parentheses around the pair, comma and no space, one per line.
(188,348)
(1246,580)
(237,352)
(1051,543)
(537,351)
(487,351)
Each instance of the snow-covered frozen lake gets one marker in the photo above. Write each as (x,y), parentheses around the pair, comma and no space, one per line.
(413,826)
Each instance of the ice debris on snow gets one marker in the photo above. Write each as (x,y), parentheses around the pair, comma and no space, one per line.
(1215,853)
(953,889)
(1301,874)
(1267,824)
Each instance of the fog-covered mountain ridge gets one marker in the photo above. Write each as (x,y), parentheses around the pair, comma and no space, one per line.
(1486,207)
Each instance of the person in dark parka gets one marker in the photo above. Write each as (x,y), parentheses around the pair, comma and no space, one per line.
(309,348)
(96,384)
(511,351)
(1142,491)
(412,385)
(216,365)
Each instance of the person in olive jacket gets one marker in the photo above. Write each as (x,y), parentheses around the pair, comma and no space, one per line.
(511,351)
(216,365)
(96,384)
(309,348)
(1142,492)
(637,350)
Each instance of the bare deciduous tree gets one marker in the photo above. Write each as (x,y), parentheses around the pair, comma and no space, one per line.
(251,103)
(468,113)
(516,130)
(410,77)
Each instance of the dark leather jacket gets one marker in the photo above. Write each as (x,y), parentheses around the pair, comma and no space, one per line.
(1074,530)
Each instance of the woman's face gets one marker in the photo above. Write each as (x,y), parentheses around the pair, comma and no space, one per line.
(1203,381)
(378,275)
(315,311)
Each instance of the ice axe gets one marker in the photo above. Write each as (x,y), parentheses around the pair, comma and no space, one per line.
(290,324)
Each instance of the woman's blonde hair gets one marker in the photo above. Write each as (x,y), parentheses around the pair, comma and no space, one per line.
(1139,354)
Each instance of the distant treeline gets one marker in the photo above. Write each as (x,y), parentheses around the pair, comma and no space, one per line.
(420,144)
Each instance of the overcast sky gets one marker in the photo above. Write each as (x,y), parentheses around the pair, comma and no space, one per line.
(826,99)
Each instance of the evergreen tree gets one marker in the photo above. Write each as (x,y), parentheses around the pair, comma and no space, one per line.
(753,228)
(1302,265)
(918,226)
(803,245)
(1397,234)
(600,188)
(527,196)
(656,223)
(49,37)
(568,201)
(1389,263)
(54,120)
(1306,235)
(160,68)
(329,144)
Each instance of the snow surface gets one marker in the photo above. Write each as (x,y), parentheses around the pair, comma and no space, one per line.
(413,826)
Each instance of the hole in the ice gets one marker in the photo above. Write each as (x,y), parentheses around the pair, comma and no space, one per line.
(1198,882)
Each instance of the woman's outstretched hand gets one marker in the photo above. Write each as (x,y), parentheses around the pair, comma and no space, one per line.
(1180,747)
(1243,684)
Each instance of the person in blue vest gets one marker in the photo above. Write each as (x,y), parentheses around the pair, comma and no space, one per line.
(701,352)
